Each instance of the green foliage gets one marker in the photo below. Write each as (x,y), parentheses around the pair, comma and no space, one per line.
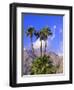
(30,32)
(42,65)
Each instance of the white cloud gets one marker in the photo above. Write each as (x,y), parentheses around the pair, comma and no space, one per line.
(54,26)
(53,35)
(37,44)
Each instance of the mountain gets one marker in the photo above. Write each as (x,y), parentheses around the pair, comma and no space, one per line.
(57,61)
(28,58)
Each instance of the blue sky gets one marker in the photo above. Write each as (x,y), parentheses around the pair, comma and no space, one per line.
(55,22)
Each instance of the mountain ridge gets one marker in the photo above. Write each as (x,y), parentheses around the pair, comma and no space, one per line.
(29,56)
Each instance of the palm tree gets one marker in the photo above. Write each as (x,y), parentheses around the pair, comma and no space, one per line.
(46,32)
(41,38)
(30,33)
(39,35)
(43,35)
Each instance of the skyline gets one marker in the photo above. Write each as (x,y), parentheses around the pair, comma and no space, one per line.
(55,22)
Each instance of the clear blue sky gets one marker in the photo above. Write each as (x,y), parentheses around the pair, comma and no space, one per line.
(55,22)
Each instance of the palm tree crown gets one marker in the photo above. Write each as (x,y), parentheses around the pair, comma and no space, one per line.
(30,31)
(46,32)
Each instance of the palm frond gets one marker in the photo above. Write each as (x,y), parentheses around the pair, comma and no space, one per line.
(36,34)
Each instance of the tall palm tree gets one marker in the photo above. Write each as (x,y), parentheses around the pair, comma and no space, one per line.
(41,38)
(43,35)
(39,35)
(30,33)
(46,32)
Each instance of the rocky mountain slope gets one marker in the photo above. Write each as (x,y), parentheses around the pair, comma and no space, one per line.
(28,57)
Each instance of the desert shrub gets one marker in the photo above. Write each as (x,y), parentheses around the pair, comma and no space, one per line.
(42,65)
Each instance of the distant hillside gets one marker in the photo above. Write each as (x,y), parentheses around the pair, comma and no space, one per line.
(28,57)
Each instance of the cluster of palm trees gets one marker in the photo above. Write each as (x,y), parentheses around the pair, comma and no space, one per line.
(42,34)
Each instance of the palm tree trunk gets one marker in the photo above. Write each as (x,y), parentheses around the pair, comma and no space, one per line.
(32,46)
(45,47)
(41,48)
